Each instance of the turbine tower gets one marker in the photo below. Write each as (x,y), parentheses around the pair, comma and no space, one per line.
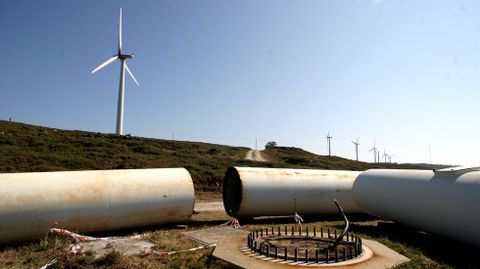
(121,90)
(328,142)
(356,146)
(374,149)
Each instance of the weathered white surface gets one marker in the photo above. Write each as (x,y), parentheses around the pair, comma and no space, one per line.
(87,201)
(445,202)
(253,192)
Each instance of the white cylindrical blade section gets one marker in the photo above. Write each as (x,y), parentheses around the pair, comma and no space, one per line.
(130,73)
(120,32)
(107,62)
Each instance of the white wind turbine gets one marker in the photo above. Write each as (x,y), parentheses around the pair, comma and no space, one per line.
(374,149)
(328,142)
(121,91)
(356,146)
(385,156)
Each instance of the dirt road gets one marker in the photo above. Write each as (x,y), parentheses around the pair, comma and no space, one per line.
(209,206)
(255,155)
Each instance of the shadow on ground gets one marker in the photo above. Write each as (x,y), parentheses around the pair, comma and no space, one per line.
(438,248)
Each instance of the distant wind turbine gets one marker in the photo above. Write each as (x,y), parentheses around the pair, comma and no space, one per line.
(374,149)
(121,91)
(328,142)
(356,146)
(385,155)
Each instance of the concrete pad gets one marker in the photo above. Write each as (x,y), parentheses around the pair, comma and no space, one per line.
(234,250)
(125,246)
(213,235)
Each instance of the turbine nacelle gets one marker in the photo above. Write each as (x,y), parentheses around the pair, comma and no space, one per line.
(124,56)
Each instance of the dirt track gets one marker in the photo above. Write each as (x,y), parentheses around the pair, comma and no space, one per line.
(208,206)
(255,155)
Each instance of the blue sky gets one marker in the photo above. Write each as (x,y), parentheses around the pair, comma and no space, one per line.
(405,73)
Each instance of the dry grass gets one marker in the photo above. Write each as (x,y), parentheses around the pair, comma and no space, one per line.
(425,250)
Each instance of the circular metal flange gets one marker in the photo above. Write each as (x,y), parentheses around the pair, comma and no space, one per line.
(304,244)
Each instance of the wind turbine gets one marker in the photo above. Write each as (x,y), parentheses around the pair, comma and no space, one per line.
(121,90)
(328,142)
(374,149)
(385,155)
(356,146)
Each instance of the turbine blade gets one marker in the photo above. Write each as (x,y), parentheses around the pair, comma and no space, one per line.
(120,33)
(130,73)
(107,62)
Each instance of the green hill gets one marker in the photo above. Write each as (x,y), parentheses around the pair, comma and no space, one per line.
(28,148)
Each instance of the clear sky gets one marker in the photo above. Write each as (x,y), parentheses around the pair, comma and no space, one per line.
(405,73)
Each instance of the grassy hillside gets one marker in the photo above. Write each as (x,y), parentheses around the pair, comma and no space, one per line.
(27,148)
(298,158)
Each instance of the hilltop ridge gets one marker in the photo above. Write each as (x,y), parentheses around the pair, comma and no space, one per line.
(29,148)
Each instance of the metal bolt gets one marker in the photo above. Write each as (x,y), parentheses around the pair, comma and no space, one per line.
(286,256)
(296,254)
(276,252)
(317,255)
